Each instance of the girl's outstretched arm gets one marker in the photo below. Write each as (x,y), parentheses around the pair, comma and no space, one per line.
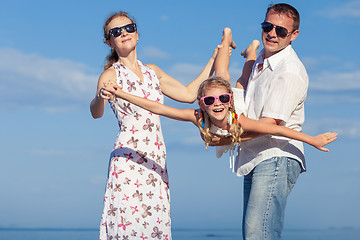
(187,115)
(257,126)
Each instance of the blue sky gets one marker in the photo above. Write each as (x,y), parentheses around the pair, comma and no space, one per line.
(54,155)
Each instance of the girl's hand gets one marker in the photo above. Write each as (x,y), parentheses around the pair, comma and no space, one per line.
(217,50)
(321,140)
(119,92)
(108,90)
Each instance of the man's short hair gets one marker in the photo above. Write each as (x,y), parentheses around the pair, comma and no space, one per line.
(286,9)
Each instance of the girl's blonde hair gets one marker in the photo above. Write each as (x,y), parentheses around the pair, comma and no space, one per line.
(235,129)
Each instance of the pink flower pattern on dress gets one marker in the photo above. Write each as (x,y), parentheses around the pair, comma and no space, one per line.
(137,201)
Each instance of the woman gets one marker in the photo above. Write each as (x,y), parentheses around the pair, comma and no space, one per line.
(137,201)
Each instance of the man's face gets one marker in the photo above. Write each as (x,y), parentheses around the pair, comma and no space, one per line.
(271,41)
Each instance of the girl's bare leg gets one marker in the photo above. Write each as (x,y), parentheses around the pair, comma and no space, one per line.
(223,57)
(250,54)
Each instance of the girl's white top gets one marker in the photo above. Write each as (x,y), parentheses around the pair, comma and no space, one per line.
(240,108)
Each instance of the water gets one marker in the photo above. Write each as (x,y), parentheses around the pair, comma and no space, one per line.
(178,234)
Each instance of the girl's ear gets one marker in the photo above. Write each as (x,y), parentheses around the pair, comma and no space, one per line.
(201,106)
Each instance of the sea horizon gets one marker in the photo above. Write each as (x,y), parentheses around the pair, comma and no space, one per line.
(173,229)
(45,233)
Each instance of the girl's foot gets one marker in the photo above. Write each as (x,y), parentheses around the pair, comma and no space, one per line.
(227,35)
(251,49)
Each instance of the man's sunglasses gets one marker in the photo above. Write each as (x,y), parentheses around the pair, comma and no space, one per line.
(115,32)
(280,31)
(210,100)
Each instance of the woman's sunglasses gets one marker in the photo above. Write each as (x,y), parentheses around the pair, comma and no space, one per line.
(210,100)
(115,32)
(280,31)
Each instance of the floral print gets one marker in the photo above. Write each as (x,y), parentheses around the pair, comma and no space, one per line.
(137,200)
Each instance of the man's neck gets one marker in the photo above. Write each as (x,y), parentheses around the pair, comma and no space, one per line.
(270,54)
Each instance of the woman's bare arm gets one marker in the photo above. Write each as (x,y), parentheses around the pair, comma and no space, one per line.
(103,93)
(176,90)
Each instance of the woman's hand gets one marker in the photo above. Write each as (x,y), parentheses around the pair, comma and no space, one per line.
(216,50)
(321,140)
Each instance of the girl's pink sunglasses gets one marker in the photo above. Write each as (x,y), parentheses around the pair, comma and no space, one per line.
(210,100)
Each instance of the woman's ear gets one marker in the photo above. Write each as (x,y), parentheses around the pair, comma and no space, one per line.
(109,44)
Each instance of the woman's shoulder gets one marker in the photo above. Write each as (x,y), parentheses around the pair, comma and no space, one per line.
(108,75)
(158,72)
(152,66)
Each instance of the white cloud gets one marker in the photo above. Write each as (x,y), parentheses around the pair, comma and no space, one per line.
(335,81)
(164,18)
(185,72)
(339,83)
(31,80)
(193,140)
(332,98)
(35,80)
(153,53)
(348,9)
(235,70)
(346,128)
(311,62)
(47,152)
(98,180)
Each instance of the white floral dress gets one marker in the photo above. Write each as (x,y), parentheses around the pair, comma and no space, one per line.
(137,198)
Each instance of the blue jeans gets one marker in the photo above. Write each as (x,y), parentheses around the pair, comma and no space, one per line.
(266,190)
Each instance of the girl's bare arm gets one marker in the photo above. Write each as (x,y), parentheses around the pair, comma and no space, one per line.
(258,126)
(187,115)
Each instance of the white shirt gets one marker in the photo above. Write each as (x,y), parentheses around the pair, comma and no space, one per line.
(277,91)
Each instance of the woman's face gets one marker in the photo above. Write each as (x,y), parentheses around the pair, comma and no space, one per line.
(126,41)
(218,112)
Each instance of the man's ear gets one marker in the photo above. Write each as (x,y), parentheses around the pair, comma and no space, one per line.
(294,35)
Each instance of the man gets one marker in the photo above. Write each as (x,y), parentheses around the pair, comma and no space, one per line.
(276,92)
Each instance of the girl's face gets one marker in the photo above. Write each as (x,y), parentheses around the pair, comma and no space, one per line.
(126,41)
(218,112)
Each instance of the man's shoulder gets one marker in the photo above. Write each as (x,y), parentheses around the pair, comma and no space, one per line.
(291,63)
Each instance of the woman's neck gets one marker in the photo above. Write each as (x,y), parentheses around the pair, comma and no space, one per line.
(131,63)
(128,59)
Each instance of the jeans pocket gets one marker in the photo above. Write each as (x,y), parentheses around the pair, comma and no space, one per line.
(294,170)
(291,181)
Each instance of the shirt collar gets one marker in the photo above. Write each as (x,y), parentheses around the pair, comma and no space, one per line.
(273,61)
